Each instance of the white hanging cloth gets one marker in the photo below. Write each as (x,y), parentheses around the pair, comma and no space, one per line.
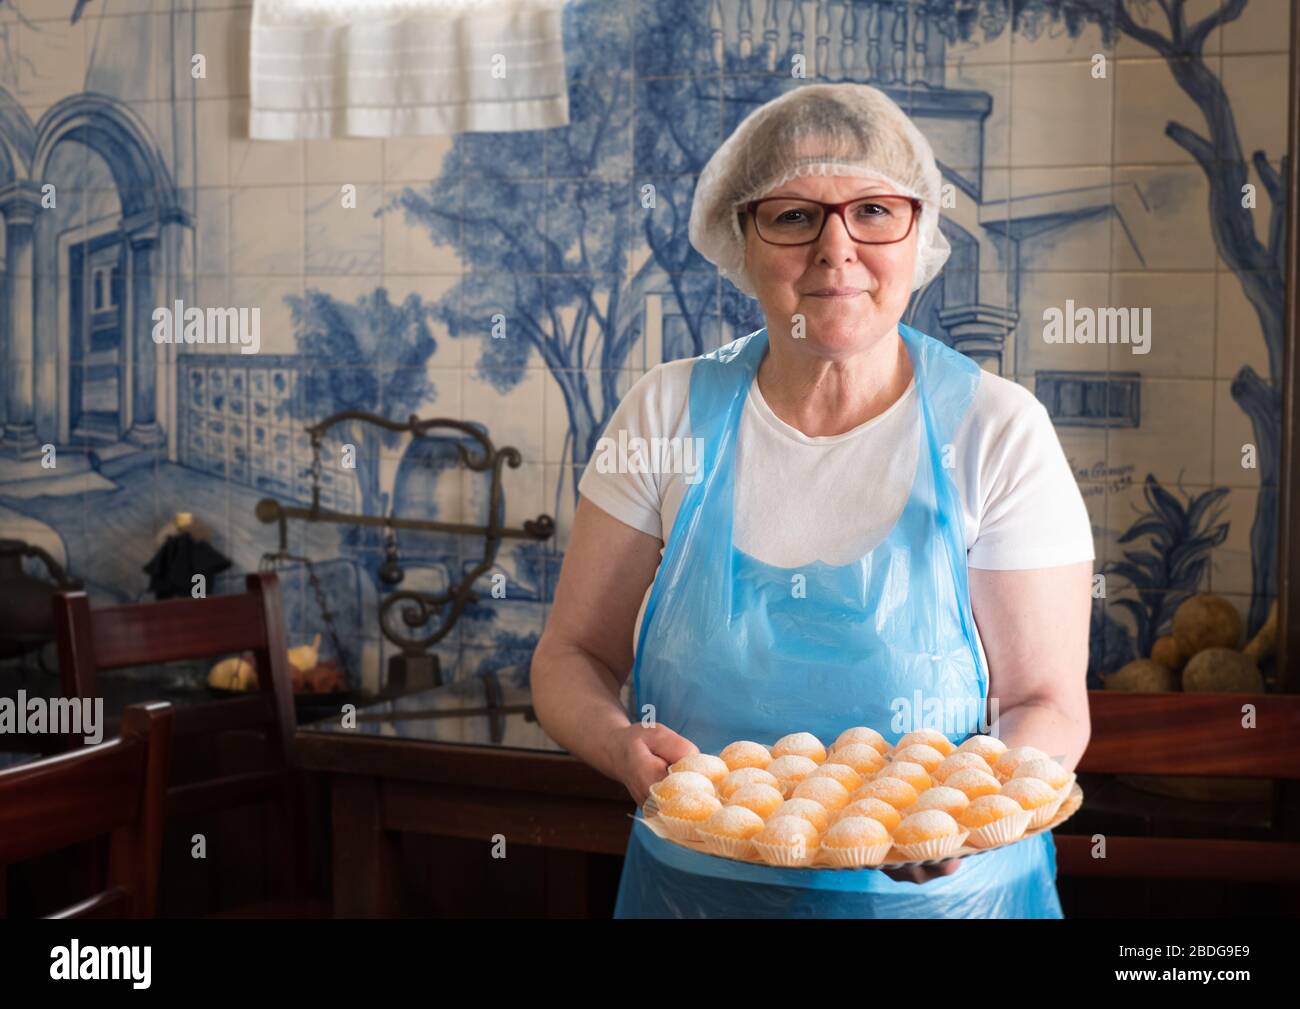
(385,68)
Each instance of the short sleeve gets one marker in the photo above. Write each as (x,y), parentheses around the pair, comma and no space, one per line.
(632,496)
(1031,513)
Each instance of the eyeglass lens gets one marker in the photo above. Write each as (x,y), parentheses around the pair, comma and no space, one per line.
(871,219)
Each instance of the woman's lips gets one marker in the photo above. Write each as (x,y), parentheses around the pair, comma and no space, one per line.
(835,293)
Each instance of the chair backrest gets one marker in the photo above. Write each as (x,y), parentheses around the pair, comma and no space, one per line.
(116,789)
(1205,735)
(118,637)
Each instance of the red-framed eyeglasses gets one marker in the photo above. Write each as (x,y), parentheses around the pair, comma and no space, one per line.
(794,220)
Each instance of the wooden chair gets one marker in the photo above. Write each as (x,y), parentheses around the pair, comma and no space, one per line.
(1189,734)
(117,789)
(175,629)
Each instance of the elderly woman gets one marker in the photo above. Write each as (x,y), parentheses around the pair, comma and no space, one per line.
(873,531)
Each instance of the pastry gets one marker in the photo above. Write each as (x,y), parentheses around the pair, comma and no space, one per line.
(745,753)
(790,770)
(877,809)
(919,753)
(682,814)
(1038,797)
(713,768)
(994,820)
(988,747)
(855,841)
(787,841)
(959,761)
(932,738)
(931,833)
(895,791)
(842,773)
(952,801)
(863,758)
(745,776)
(811,810)
(762,799)
(1005,768)
(829,792)
(1045,769)
(730,831)
(914,774)
(677,783)
(799,744)
(973,783)
(864,735)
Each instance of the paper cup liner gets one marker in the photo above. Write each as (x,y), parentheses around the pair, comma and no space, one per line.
(783,855)
(1003,831)
(1070,805)
(726,847)
(939,847)
(1044,815)
(679,829)
(862,856)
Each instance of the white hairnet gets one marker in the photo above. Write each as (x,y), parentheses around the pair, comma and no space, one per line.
(816,129)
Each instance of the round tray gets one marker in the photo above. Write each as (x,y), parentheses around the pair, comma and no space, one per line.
(1068,808)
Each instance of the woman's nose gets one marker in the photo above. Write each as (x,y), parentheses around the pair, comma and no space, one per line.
(835,246)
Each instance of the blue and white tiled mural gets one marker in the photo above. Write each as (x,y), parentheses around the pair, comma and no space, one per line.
(1097,156)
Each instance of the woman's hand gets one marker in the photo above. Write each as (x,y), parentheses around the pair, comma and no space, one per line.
(641,756)
(924,873)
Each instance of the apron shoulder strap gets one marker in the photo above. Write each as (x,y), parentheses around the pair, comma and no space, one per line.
(946,381)
(947,378)
(720,381)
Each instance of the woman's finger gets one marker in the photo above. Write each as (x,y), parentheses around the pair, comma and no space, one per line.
(669,745)
(924,873)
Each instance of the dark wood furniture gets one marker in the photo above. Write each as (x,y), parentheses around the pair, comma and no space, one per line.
(1189,734)
(116,788)
(142,634)
(459,761)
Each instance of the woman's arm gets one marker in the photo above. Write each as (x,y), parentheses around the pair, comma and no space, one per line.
(585,653)
(1034,626)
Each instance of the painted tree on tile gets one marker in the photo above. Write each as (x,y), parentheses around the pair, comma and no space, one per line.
(368,356)
(549,267)
(1258,264)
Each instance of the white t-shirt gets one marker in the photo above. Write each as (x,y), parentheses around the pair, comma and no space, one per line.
(800,499)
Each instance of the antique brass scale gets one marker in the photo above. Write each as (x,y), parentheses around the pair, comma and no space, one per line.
(415,666)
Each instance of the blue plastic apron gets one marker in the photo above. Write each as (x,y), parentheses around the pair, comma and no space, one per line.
(733,648)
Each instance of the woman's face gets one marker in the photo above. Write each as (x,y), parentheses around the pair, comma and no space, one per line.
(787,277)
